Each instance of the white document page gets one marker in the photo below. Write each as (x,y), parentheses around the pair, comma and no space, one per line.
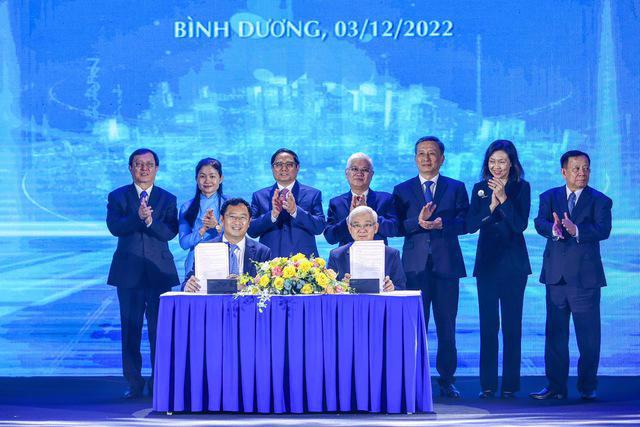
(367,260)
(211,262)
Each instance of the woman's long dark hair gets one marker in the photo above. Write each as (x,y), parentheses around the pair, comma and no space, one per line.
(194,207)
(516,172)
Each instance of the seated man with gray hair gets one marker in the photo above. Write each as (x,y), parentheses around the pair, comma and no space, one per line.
(363,225)
(359,173)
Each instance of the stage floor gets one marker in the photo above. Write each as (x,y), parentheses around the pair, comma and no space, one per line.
(93,401)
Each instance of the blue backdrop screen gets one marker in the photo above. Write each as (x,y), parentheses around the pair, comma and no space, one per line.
(82,84)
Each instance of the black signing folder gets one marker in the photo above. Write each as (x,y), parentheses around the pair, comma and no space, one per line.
(222,286)
(365,286)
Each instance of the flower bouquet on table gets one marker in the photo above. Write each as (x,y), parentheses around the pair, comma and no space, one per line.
(291,276)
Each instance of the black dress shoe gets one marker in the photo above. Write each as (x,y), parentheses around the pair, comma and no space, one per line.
(133,393)
(508,394)
(486,394)
(449,390)
(546,394)
(589,395)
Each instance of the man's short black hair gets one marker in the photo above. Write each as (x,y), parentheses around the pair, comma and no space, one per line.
(140,152)
(235,201)
(432,139)
(572,153)
(287,151)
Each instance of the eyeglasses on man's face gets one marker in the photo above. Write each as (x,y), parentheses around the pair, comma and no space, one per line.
(365,226)
(283,165)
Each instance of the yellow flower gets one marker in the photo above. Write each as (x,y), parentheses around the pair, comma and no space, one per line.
(298,257)
(264,281)
(254,290)
(321,263)
(322,279)
(305,266)
(307,288)
(288,272)
(332,274)
(278,283)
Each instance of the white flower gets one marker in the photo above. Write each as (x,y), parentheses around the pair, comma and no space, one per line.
(481,194)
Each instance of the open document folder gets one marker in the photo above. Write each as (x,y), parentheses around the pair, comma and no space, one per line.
(211,263)
(367,260)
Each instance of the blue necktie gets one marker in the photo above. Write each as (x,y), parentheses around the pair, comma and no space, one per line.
(233,259)
(572,202)
(143,195)
(428,196)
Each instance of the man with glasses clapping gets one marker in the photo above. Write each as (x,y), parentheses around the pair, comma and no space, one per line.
(359,173)
(287,215)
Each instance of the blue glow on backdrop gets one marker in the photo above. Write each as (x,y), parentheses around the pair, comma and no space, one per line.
(82,84)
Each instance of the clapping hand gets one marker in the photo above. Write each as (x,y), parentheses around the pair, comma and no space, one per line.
(145,212)
(276,204)
(357,201)
(289,203)
(568,225)
(556,228)
(208,221)
(425,214)
(497,186)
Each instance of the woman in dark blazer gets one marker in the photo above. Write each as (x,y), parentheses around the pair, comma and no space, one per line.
(500,205)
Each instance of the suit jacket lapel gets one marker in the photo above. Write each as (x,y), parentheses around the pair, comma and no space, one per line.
(345,199)
(417,190)
(347,258)
(154,197)
(296,190)
(132,197)
(371,199)
(561,198)
(583,201)
(441,187)
(249,254)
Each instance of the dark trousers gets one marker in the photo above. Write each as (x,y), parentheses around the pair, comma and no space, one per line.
(500,297)
(564,301)
(135,303)
(442,294)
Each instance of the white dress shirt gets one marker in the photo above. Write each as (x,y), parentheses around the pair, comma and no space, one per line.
(433,186)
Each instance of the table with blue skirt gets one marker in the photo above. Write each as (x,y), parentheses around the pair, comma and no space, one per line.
(311,353)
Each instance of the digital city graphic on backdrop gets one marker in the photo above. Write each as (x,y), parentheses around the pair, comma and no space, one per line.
(82,84)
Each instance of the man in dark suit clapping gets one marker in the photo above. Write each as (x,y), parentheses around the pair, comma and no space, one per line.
(359,173)
(574,219)
(144,217)
(288,215)
(431,210)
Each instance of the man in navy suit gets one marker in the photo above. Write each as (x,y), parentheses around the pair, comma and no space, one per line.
(288,215)
(574,219)
(359,173)
(363,225)
(235,215)
(144,218)
(431,210)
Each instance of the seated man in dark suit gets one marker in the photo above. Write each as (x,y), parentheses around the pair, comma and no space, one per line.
(287,216)
(144,217)
(574,219)
(359,173)
(432,209)
(235,215)
(363,225)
